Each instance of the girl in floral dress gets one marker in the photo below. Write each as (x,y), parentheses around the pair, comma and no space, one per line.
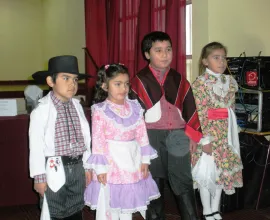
(121,152)
(216,166)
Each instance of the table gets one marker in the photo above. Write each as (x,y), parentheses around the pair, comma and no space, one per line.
(16,187)
(254,134)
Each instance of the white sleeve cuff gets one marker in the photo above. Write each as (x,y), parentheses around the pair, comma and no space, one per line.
(206,140)
(146,159)
(99,169)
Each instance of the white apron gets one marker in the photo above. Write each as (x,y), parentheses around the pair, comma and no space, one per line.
(127,156)
(55,179)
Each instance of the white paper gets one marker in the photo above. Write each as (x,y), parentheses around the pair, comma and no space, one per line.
(8,107)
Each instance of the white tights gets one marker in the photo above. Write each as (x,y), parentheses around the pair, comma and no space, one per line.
(121,216)
(210,204)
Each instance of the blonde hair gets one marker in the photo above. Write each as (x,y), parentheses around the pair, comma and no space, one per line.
(208,49)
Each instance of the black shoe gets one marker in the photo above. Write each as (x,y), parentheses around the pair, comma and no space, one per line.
(204,216)
(216,213)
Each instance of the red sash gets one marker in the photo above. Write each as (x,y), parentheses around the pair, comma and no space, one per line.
(217,114)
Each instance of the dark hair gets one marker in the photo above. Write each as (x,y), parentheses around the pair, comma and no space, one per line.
(151,38)
(104,75)
(208,49)
(54,76)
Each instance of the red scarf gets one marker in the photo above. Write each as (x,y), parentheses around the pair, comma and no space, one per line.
(177,91)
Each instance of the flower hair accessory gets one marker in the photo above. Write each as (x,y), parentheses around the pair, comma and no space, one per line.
(107,66)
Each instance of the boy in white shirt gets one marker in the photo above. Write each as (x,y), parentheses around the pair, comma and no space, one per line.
(59,136)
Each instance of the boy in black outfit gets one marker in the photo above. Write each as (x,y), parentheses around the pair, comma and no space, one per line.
(172,123)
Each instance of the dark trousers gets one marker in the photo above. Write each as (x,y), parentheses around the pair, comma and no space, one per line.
(173,164)
(68,201)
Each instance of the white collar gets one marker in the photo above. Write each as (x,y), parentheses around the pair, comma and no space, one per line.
(218,75)
(220,88)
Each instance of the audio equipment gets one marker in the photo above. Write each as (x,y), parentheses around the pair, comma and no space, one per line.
(250,72)
(252,109)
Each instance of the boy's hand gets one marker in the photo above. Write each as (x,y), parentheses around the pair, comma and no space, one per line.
(207,149)
(88,177)
(192,146)
(102,178)
(40,188)
(145,170)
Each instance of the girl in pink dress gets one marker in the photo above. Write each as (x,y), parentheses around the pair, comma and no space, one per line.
(121,152)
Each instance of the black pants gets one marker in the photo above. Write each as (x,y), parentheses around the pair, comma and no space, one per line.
(173,164)
(68,200)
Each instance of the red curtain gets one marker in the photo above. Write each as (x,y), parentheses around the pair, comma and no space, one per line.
(176,28)
(145,25)
(113,31)
(96,36)
(115,28)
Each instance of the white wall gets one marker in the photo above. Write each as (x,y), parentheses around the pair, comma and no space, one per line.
(32,31)
(241,25)
(20,38)
(64,29)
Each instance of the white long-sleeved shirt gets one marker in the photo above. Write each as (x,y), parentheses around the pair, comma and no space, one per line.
(42,133)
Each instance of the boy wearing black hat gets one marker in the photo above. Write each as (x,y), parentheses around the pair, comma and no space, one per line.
(59,137)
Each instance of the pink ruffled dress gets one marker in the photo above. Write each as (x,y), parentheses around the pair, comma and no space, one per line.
(119,146)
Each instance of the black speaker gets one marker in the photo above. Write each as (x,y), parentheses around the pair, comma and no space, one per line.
(250,72)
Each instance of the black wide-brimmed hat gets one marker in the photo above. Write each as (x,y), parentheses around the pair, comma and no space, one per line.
(60,64)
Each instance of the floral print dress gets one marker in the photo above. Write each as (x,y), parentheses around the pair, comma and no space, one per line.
(207,97)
